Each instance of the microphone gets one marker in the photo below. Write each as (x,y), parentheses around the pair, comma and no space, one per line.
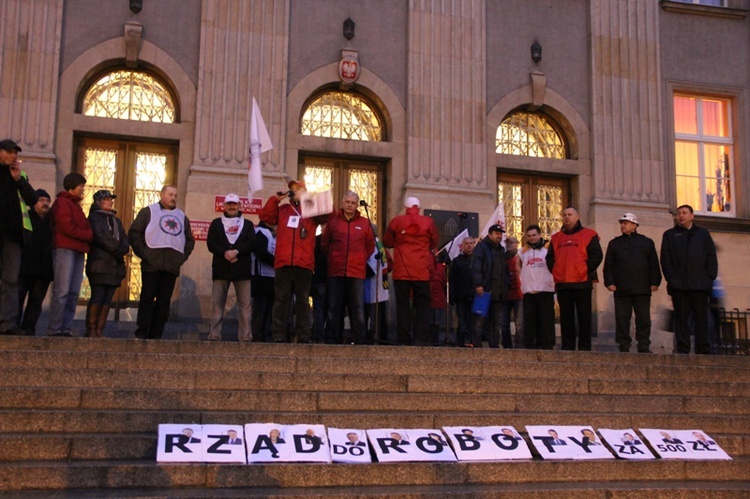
(287,193)
(362,202)
(462,215)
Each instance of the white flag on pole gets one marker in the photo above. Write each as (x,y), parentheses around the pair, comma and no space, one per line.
(498,217)
(454,247)
(259,142)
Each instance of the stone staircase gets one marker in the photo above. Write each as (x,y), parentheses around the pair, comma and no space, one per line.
(79,417)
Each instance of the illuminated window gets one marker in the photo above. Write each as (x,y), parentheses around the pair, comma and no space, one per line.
(532,200)
(529,134)
(341,115)
(339,176)
(129,95)
(703,154)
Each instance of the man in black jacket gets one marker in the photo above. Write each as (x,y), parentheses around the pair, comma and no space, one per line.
(462,290)
(690,266)
(489,272)
(231,240)
(14,221)
(631,272)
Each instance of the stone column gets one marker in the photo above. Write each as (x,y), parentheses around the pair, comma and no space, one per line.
(244,46)
(29,69)
(627,153)
(626,125)
(447,96)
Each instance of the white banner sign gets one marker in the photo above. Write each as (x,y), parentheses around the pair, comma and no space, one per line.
(626,444)
(684,444)
(393,445)
(270,442)
(487,443)
(567,442)
(200,444)
(349,446)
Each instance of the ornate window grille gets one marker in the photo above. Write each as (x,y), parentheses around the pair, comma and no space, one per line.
(341,115)
(529,134)
(129,95)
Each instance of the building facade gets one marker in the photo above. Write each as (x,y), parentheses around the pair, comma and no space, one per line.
(608,105)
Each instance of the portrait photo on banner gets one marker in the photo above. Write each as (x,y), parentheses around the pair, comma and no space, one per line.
(568,442)
(394,445)
(185,443)
(349,445)
(683,444)
(487,443)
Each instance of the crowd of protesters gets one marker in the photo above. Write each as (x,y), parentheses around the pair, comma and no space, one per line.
(276,266)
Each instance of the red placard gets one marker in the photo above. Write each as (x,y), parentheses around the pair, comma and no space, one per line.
(200,229)
(247,205)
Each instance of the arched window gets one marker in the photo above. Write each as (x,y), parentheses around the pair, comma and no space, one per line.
(341,115)
(124,94)
(530,134)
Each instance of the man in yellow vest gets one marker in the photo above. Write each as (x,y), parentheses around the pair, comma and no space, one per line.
(16,195)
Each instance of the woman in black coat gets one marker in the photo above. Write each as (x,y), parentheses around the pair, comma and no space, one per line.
(105,265)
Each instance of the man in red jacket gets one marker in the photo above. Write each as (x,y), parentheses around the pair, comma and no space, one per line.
(412,237)
(71,235)
(294,260)
(348,241)
(573,257)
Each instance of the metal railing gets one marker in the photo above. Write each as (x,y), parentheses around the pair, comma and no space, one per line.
(732,337)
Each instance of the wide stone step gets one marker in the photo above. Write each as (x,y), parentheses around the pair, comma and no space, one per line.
(231,380)
(32,475)
(331,402)
(480,367)
(360,351)
(580,490)
(35,421)
(140,446)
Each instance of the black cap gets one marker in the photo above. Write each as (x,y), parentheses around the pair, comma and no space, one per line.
(103,194)
(41,193)
(496,228)
(9,145)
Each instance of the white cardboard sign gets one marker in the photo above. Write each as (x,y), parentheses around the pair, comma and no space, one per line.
(394,445)
(626,444)
(200,444)
(349,446)
(568,442)
(274,443)
(684,444)
(487,443)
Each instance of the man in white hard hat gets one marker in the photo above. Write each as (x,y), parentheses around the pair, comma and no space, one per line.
(631,272)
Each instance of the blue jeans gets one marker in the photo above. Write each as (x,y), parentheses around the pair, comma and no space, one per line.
(68,266)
